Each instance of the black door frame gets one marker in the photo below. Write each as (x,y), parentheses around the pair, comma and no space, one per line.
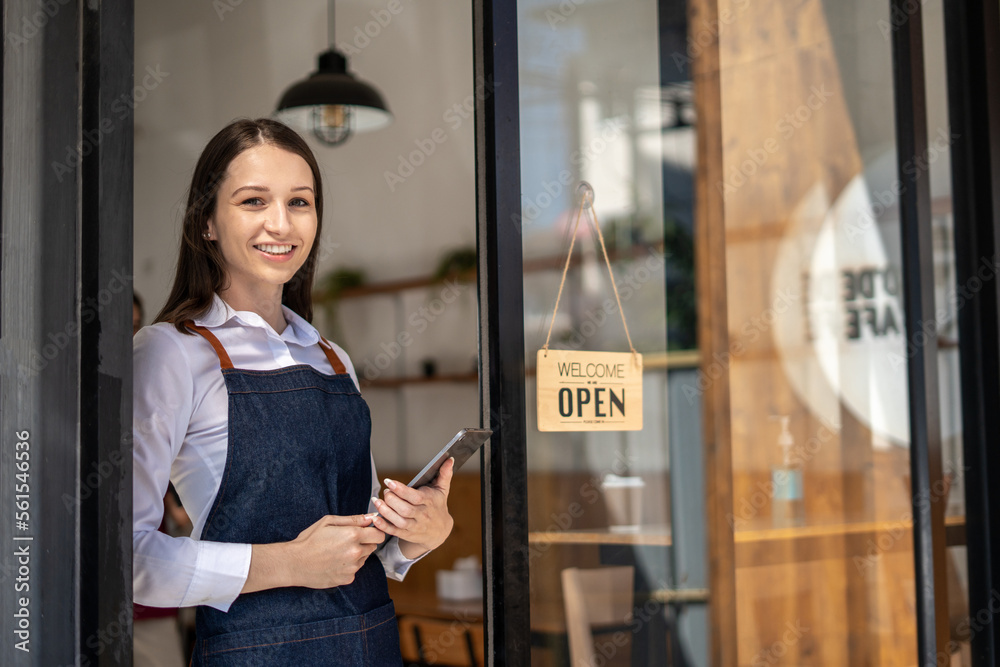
(917,249)
(65,331)
(498,212)
(972,44)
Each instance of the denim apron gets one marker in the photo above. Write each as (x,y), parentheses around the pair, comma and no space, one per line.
(298,450)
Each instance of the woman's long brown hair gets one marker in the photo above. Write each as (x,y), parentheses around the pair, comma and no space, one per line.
(201,268)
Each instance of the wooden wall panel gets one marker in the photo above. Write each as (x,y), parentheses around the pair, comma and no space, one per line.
(710,269)
(764,62)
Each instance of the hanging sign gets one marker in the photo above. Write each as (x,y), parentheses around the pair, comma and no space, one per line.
(588,391)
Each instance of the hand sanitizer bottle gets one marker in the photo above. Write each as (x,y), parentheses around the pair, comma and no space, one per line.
(787,506)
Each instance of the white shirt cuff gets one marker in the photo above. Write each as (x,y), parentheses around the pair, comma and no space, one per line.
(395,563)
(219,575)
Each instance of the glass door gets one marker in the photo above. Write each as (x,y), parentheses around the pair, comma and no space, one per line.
(753,147)
(802,298)
(951,294)
(616,544)
(810,483)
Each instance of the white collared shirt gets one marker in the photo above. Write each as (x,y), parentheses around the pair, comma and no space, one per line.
(181,434)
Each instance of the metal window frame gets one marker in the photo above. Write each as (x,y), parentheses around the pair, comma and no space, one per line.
(501,326)
(972,45)
(65,325)
(926,461)
(105,261)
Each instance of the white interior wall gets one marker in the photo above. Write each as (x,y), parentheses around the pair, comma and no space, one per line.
(230,58)
(214,70)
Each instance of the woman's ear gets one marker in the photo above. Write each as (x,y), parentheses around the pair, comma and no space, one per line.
(209,233)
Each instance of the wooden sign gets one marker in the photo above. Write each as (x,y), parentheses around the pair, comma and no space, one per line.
(589,391)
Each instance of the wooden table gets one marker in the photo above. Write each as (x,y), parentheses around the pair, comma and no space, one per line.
(649,646)
(755,544)
(409,600)
(548,620)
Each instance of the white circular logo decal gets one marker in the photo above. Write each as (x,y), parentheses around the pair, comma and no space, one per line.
(845,342)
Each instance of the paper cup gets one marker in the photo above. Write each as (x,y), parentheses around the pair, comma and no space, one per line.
(623,497)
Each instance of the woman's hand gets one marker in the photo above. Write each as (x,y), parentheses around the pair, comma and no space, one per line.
(418,517)
(326,554)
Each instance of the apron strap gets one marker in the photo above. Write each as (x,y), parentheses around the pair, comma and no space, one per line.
(338,366)
(224,360)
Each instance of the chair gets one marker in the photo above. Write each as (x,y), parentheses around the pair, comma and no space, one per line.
(600,597)
(432,641)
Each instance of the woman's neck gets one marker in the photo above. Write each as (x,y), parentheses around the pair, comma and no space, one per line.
(266,304)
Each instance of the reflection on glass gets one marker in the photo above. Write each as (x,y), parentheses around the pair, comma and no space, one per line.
(817,364)
(598,105)
(814,365)
(949,298)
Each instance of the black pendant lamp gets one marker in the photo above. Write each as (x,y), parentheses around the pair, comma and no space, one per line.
(332,103)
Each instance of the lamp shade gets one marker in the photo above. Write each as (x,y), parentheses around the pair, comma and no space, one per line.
(333,85)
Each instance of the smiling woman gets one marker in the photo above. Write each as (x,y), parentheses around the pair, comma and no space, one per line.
(265,226)
(259,423)
(247,158)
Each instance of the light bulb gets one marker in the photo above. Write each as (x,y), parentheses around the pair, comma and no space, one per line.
(332,123)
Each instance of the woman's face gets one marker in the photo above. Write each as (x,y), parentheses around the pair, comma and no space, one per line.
(265,219)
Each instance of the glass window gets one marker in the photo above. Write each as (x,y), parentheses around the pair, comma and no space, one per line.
(603,101)
(949,297)
(792,177)
(817,373)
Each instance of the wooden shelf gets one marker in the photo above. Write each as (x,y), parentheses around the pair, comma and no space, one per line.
(394,286)
(647,535)
(767,533)
(557,262)
(660,535)
(656,361)
(674,359)
(393,383)
(651,361)
(529,266)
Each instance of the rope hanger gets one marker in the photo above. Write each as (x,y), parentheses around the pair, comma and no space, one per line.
(586,193)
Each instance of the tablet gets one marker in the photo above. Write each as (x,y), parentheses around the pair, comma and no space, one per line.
(465,443)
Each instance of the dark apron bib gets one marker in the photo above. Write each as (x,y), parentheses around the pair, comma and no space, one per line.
(298,450)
